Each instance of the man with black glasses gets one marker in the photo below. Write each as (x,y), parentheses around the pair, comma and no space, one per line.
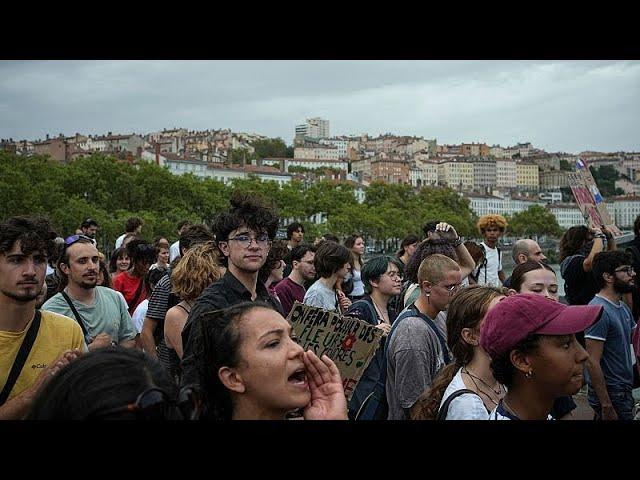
(417,348)
(101,312)
(244,235)
(34,345)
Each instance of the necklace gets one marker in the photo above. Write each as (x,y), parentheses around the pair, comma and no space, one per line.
(479,390)
(497,392)
(382,316)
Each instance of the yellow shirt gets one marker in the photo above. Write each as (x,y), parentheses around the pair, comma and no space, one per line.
(57,333)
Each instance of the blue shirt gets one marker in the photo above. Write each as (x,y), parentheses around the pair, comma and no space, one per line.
(614,329)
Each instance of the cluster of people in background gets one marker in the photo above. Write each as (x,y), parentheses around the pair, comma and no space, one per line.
(197,329)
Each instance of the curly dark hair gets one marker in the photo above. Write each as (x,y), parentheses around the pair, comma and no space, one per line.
(277,253)
(35,234)
(426,248)
(216,347)
(573,241)
(608,262)
(501,366)
(249,212)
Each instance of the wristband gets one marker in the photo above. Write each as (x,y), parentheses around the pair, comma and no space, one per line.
(457,242)
(600,235)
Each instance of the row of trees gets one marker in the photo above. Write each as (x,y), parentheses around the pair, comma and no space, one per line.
(111,191)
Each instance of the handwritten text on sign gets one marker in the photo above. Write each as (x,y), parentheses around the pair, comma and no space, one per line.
(349,342)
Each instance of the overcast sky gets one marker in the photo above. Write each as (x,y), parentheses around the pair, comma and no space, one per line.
(557,105)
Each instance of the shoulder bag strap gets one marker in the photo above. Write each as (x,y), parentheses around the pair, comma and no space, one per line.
(79,318)
(21,357)
(444,409)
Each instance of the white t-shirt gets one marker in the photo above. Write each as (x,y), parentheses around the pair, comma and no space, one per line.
(467,406)
(174,251)
(139,314)
(488,273)
(119,240)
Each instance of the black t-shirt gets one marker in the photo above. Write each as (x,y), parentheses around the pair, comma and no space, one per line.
(579,286)
(226,292)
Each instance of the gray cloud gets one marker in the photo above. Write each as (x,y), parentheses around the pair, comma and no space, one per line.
(557,105)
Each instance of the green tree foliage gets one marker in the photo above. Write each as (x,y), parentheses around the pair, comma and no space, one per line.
(271,147)
(565,165)
(112,191)
(536,220)
(605,177)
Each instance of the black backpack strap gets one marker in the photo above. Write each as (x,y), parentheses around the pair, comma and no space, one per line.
(444,409)
(436,330)
(21,357)
(369,306)
(79,318)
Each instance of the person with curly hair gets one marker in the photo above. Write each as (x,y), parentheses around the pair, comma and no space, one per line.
(244,234)
(491,227)
(25,244)
(195,271)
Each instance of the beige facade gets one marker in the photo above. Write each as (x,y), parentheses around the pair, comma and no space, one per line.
(506,174)
(456,175)
(527,176)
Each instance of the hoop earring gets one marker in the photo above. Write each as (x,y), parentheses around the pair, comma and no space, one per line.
(529,374)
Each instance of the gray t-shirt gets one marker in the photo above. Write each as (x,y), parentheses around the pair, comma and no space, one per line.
(414,359)
(319,295)
(614,329)
(108,314)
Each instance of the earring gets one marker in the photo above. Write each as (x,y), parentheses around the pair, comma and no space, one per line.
(529,374)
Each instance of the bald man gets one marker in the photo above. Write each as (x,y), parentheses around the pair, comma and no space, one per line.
(523,251)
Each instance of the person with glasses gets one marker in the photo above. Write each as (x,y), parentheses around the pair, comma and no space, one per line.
(109,384)
(303,270)
(100,311)
(442,239)
(244,235)
(251,367)
(382,277)
(416,348)
(611,356)
(466,388)
(48,341)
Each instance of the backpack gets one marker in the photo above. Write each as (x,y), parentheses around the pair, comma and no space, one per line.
(443,411)
(375,406)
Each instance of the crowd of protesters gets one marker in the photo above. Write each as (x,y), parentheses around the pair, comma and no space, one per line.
(198,329)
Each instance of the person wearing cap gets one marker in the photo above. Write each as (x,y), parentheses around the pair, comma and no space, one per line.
(611,356)
(534,352)
(89,228)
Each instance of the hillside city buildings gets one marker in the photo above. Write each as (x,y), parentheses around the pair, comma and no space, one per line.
(494,178)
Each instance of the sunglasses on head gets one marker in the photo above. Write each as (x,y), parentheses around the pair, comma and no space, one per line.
(152,404)
(74,238)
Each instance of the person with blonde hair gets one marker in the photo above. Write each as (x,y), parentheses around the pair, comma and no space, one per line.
(491,227)
(465,389)
(416,348)
(198,268)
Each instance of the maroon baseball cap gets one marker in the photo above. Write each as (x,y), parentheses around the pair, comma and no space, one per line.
(517,316)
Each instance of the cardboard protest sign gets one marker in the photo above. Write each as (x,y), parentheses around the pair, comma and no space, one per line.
(589,200)
(349,342)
